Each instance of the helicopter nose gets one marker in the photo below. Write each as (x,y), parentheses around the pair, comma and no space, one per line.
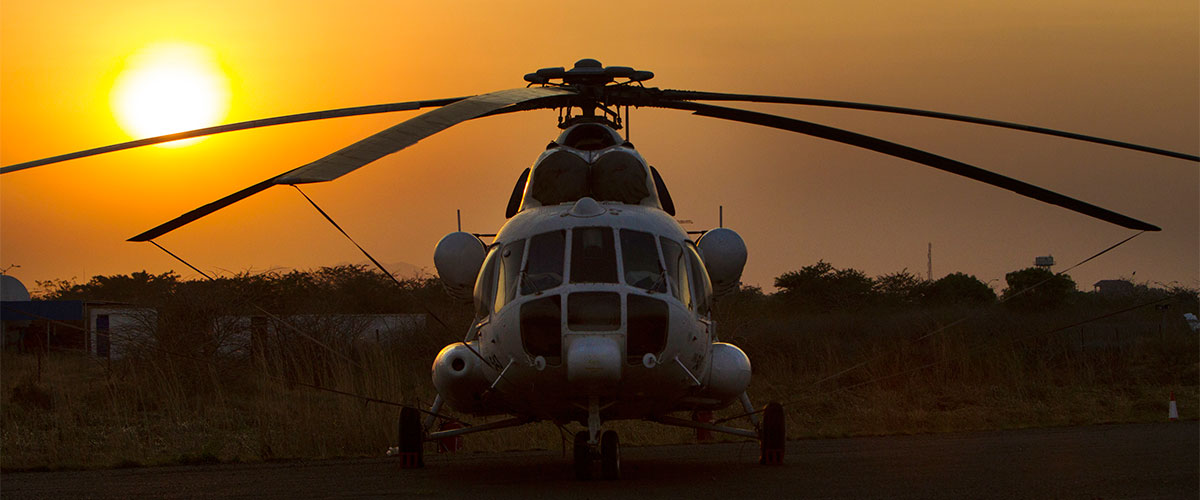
(593,362)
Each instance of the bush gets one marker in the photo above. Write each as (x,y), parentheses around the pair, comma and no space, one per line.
(825,288)
(959,289)
(1035,288)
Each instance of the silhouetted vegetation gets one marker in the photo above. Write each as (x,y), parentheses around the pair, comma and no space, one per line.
(852,354)
(1036,288)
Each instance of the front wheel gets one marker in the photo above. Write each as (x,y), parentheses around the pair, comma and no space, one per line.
(610,455)
(412,438)
(583,456)
(773,436)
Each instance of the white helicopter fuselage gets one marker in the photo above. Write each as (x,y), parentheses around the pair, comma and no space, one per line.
(584,303)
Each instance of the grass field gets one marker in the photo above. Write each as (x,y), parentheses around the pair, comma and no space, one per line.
(906,370)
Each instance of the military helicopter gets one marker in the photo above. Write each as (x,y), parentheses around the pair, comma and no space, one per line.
(592,303)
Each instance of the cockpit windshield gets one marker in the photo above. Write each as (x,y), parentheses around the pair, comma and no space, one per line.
(639,255)
(593,255)
(544,266)
(649,262)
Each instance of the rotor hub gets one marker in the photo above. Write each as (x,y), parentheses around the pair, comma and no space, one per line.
(587,72)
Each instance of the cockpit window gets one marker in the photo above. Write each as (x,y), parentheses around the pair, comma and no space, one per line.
(544,267)
(485,289)
(639,255)
(560,177)
(701,286)
(618,176)
(593,255)
(510,265)
(677,271)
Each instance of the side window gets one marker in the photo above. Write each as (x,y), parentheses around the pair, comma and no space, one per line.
(544,267)
(593,255)
(677,271)
(510,266)
(485,284)
(701,286)
(639,256)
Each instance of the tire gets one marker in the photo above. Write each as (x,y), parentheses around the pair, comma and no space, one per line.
(610,455)
(583,457)
(412,437)
(774,435)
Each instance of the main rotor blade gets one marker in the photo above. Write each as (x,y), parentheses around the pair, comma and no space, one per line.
(912,154)
(409,132)
(230,127)
(372,148)
(186,218)
(688,95)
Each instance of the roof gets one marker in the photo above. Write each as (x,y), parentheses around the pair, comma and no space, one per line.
(58,310)
(12,289)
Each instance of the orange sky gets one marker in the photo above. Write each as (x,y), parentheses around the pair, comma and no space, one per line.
(1113,69)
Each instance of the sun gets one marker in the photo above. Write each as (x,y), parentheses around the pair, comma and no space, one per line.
(170,87)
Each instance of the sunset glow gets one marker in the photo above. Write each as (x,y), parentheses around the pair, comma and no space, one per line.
(114,71)
(168,88)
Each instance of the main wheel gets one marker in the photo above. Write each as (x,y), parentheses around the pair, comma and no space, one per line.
(610,455)
(412,437)
(583,456)
(774,437)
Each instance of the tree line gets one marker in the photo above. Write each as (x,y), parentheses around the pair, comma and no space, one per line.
(359,289)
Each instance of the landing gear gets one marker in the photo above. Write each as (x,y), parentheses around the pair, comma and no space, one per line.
(773,436)
(583,456)
(412,437)
(609,454)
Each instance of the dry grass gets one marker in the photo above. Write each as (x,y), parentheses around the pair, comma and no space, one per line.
(992,371)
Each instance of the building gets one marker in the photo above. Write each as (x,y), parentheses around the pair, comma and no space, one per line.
(109,330)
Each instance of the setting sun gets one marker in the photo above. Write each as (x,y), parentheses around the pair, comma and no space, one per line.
(170,87)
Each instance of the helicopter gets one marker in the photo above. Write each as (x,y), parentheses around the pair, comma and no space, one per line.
(592,304)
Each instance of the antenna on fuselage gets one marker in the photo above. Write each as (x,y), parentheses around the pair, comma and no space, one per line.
(458,215)
(720,215)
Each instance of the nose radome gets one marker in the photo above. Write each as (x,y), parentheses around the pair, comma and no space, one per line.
(594,362)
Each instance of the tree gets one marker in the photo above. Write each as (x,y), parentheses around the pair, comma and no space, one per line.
(959,288)
(825,288)
(1037,288)
(902,287)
